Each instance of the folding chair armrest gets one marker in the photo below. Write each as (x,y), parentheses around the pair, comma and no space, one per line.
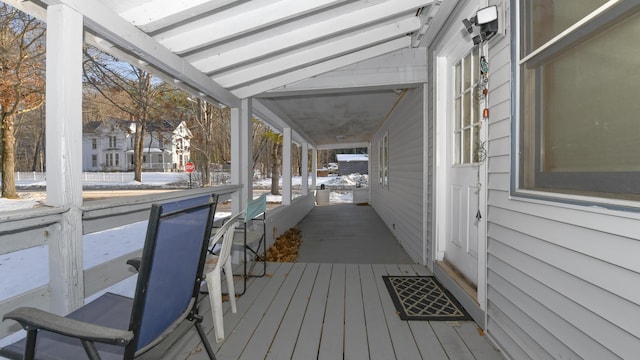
(35,319)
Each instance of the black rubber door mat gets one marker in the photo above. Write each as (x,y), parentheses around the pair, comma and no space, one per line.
(423,298)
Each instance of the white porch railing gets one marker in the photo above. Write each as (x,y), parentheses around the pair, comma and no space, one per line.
(25,229)
(218,177)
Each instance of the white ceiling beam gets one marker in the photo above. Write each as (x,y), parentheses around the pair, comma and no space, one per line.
(397,70)
(116,30)
(337,146)
(318,53)
(214,60)
(440,15)
(426,18)
(30,8)
(153,15)
(320,68)
(107,47)
(236,21)
(408,78)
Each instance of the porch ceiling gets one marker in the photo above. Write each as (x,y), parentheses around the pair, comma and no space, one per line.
(329,69)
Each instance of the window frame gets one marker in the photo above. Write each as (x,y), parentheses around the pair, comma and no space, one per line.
(385,160)
(582,187)
(467,153)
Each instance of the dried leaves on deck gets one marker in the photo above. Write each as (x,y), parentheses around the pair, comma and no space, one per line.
(285,248)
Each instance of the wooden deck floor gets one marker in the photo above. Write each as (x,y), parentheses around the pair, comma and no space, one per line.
(330,311)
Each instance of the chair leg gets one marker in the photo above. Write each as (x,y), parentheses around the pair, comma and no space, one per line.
(30,346)
(230,286)
(91,349)
(215,299)
(205,341)
(257,255)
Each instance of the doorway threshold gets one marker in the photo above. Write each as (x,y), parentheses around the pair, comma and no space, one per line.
(465,292)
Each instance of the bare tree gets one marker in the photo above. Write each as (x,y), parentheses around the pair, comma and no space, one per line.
(30,141)
(22,81)
(259,147)
(275,144)
(209,128)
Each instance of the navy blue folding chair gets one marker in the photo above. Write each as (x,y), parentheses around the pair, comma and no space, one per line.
(118,327)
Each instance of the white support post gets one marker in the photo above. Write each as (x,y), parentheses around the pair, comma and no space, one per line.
(236,163)
(247,149)
(314,168)
(64,154)
(305,169)
(286,166)
(241,155)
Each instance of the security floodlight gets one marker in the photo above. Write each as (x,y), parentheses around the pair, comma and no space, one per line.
(487,20)
(487,15)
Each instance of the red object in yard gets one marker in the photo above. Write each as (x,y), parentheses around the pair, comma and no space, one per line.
(189,167)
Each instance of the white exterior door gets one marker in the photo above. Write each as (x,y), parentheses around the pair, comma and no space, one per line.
(463,128)
(460,151)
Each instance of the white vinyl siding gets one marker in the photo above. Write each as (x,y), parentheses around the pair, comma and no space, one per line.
(559,276)
(401,204)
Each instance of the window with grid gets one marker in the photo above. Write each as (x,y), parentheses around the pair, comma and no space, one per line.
(579,130)
(466,127)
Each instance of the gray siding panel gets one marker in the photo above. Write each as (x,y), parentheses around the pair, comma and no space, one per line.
(560,277)
(401,205)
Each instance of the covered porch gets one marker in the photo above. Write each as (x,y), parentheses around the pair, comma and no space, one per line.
(410,81)
(335,84)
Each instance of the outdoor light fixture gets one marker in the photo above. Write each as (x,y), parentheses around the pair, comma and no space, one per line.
(487,20)
(468,23)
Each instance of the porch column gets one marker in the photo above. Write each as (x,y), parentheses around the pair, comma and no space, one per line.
(286,166)
(305,169)
(64,154)
(314,168)
(241,167)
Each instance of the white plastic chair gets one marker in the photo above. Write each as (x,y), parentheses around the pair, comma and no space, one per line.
(214,276)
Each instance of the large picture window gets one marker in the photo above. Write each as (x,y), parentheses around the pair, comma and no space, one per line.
(579,113)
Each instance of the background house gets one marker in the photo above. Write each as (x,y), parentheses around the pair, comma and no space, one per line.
(108,145)
(352,164)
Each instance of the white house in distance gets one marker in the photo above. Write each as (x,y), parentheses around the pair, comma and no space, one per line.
(108,146)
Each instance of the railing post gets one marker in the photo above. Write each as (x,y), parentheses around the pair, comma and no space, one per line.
(286,166)
(64,154)
(305,169)
(314,168)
